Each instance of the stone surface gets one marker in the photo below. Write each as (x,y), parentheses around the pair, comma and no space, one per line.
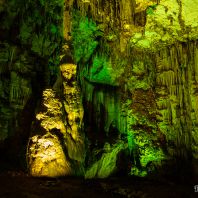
(15,87)
(56,147)
(123,71)
(47,158)
(152,98)
(107,165)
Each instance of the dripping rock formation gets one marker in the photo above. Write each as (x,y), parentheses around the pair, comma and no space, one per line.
(99,88)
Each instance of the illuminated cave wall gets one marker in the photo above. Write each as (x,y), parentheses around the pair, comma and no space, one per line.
(113,85)
(137,66)
(30,42)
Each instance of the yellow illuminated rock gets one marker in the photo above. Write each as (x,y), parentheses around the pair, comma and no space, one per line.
(59,141)
(46,157)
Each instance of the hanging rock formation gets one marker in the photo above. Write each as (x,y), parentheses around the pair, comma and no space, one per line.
(137,69)
(16,101)
(115,83)
(15,87)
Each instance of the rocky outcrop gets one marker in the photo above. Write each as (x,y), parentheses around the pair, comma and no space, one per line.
(27,66)
(107,165)
(119,85)
(45,151)
(137,68)
(46,157)
(56,147)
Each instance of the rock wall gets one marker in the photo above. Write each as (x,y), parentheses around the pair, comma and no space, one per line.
(28,60)
(113,85)
(16,101)
(56,147)
(137,69)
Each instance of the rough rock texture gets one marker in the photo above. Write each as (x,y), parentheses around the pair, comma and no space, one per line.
(133,63)
(27,65)
(15,86)
(17,104)
(137,67)
(107,165)
(56,147)
(45,152)
(47,157)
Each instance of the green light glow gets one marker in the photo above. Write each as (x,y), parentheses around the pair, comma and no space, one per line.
(84,34)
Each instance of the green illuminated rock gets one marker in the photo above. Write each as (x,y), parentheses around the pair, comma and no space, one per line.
(115,81)
(139,83)
(107,165)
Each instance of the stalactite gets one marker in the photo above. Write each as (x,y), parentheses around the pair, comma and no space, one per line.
(19,94)
(196,64)
(167,78)
(117,11)
(172,78)
(176,67)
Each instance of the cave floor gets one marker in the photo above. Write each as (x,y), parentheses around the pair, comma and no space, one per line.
(19,185)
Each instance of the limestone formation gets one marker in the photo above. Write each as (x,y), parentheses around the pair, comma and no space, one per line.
(141,75)
(109,81)
(56,147)
(15,88)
